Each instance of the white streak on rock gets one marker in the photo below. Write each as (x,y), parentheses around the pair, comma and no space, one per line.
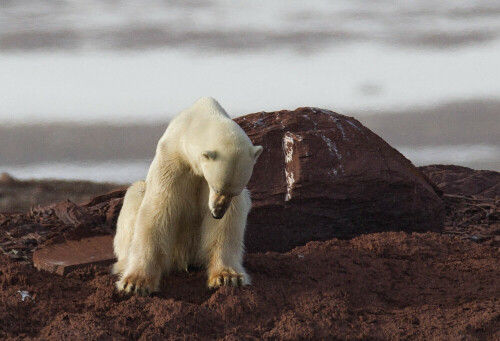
(259,122)
(310,119)
(288,147)
(288,141)
(353,124)
(290,180)
(339,125)
(332,147)
(333,118)
(324,111)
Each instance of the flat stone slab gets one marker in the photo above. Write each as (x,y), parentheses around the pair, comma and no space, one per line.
(75,254)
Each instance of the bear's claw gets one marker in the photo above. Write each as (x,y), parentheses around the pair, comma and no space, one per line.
(137,285)
(226,277)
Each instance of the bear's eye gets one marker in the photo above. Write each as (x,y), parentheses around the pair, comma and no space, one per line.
(209,155)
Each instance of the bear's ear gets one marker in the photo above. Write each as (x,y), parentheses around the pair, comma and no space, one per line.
(255,151)
(209,155)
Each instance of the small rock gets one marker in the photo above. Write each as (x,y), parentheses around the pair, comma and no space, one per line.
(7,179)
(24,294)
(75,254)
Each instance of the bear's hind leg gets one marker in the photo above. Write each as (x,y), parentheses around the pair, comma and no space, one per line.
(151,244)
(145,265)
(125,224)
(119,267)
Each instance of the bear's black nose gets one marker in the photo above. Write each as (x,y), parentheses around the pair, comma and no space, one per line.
(218,216)
(218,212)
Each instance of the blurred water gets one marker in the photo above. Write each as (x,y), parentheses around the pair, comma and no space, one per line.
(128,60)
(475,156)
(154,85)
(121,171)
(243,25)
(129,171)
(137,62)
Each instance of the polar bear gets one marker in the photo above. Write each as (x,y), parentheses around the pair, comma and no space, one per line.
(193,206)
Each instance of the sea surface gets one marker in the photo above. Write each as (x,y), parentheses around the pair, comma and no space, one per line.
(128,62)
(128,171)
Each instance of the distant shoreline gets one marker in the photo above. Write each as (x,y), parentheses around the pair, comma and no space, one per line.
(460,127)
(19,195)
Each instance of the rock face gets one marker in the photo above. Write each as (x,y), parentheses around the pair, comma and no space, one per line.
(325,175)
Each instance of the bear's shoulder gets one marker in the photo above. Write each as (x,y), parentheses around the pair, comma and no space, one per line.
(208,106)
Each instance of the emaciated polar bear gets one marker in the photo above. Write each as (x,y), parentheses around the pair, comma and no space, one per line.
(192,208)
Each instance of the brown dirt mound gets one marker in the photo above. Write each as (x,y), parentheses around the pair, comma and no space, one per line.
(460,180)
(472,201)
(380,286)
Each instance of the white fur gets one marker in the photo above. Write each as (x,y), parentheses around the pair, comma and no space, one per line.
(202,164)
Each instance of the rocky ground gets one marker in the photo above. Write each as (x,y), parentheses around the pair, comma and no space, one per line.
(381,286)
(389,285)
(374,280)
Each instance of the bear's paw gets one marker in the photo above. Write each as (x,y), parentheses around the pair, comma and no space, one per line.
(138,284)
(226,277)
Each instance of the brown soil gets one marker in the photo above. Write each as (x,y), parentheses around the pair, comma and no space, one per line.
(379,286)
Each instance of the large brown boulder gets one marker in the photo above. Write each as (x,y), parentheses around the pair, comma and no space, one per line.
(325,175)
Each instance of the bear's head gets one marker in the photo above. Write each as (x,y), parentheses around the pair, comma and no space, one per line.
(227,172)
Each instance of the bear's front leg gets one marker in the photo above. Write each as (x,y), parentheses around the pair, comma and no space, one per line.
(146,261)
(222,245)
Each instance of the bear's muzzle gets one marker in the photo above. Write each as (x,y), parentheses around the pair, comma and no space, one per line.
(220,204)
